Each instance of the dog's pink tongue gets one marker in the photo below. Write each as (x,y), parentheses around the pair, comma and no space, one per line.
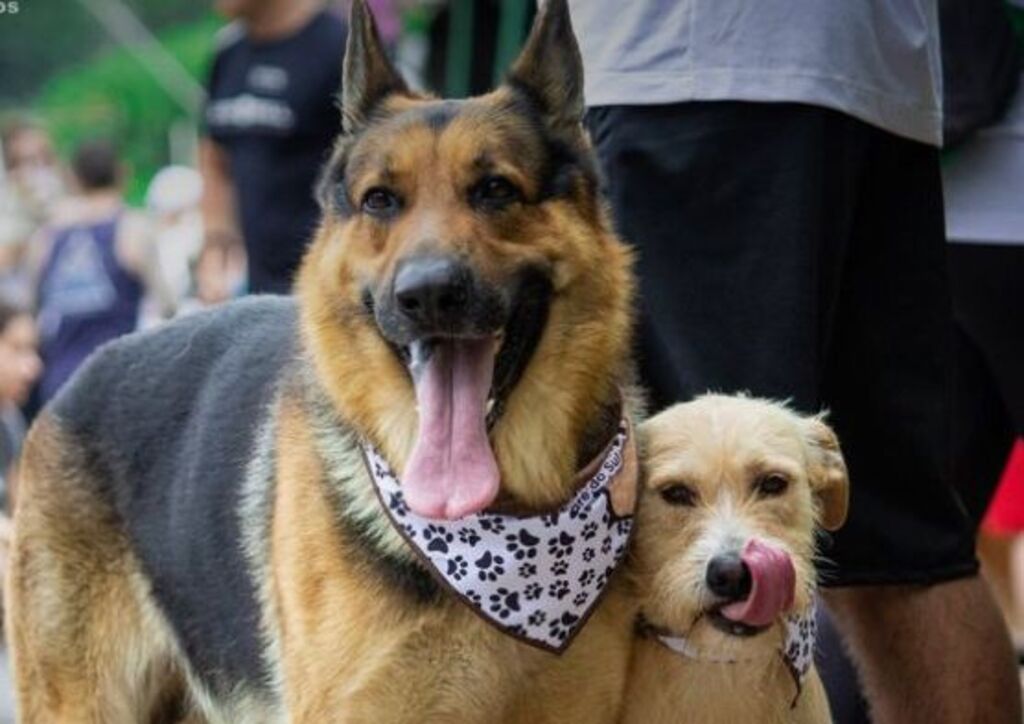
(773,586)
(452,471)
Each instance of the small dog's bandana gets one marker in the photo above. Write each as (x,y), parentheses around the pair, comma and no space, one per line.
(537,577)
(796,651)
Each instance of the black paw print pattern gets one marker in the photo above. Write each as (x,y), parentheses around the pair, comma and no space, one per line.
(457,568)
(560,545)
(534,577)
(559,589)
(489,566)
(397,504)
(504,602)
(798,650)
(438,539)
(492,524)
(522,545)
(561,626)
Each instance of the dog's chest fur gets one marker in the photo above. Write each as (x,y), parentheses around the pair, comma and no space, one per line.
(760,691)
(353,611)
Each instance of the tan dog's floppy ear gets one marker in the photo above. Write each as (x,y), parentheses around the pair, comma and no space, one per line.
(829,479)
(550,69)
(367,75)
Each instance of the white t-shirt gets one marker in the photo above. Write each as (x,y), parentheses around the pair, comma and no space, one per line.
(984,182)
(877,60)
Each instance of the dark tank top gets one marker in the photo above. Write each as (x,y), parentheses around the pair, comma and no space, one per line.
(86,297)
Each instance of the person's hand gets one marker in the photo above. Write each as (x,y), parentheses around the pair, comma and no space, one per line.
(219,269)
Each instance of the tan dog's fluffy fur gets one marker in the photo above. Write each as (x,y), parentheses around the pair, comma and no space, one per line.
(720,448)
(344,636)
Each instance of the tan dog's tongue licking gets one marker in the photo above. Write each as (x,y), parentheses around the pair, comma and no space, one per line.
(452,471)
(773,586)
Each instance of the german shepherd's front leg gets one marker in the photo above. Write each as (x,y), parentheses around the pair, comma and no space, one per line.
(86,644)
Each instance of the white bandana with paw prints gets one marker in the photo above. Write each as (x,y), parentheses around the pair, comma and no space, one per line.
(536,577)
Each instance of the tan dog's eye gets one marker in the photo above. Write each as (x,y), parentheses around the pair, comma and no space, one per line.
(771,485)
(679,495)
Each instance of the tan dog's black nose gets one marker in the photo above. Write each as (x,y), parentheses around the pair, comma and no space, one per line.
(728,576)
(432,291)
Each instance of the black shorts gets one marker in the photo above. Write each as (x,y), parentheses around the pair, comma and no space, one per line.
(988,405)
(797,253)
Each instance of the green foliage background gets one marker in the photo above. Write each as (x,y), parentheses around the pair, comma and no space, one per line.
(57,64)
(115,97)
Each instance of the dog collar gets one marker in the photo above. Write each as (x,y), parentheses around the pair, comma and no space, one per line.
(539,577)
(796,650)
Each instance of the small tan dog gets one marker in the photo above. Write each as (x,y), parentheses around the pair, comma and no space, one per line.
(724,563)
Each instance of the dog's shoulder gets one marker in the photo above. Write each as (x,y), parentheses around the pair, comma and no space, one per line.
(161,408)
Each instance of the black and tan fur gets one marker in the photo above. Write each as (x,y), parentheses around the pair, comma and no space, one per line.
(197,538)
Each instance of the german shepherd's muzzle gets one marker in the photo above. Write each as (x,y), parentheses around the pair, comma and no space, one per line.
(465,340)
(436,301)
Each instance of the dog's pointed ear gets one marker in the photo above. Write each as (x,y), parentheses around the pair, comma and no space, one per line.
(550,70)
(367,75)
(829,479)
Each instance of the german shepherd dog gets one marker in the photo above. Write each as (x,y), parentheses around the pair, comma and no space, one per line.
(198,535)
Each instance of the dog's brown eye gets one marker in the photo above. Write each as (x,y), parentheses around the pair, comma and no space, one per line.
(380,202)
(773,484)
(679,495)
(495,192)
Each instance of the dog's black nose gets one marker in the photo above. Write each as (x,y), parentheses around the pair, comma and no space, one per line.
(728,576)
(432,291)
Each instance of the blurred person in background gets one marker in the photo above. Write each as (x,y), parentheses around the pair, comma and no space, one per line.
(20,367)
(777,167)
(93,265)
(270,120)
(31,185)
(172,201)
(983,177)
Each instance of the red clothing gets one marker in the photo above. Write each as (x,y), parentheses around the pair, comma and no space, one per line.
(1006,512)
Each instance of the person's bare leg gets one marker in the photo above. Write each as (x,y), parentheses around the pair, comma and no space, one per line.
(930,654)
(996,554)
